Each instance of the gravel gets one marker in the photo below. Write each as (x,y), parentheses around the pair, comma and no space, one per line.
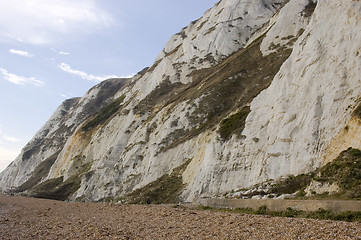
(29,218)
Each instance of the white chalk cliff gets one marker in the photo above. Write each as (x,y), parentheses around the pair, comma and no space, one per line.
(252,91)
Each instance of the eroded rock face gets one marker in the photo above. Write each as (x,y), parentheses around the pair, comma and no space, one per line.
(312,96)
(37,157)
(252,91)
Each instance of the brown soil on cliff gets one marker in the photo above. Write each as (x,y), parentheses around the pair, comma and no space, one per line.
(29,218)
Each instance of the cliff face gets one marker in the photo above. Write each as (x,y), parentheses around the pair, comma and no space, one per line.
(252,91)
(36,158)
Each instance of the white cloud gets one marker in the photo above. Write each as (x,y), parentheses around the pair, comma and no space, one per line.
(11,139)
(60,52)
(64,96)
(64,53)
(7,139)
(20,80)
(20,53)
(7,156)
(43,21)
(9,149)
(66,68)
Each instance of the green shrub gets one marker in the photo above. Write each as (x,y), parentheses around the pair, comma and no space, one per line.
(57,189)
(234,123)
(202,207)
(293,184)
(290,212)
(345,170)
(301,193)
(262,210)
(165,189)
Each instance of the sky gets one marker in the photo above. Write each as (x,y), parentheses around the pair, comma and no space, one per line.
(51,50)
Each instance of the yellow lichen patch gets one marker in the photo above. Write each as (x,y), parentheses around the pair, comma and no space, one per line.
(199,157)
(156,109)
(78,141)
(349,136)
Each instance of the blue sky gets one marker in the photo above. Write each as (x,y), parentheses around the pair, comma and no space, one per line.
(51,50)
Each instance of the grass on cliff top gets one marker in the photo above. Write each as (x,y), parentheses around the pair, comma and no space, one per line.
(104,114)
(321,214)
(345,171)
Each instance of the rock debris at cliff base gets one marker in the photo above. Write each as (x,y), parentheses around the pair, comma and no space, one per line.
(29,218)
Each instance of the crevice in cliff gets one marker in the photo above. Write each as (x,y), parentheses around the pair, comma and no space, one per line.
(357,112)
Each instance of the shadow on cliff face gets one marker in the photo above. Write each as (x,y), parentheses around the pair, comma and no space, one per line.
(56,189)
(309,9)
(40,172)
